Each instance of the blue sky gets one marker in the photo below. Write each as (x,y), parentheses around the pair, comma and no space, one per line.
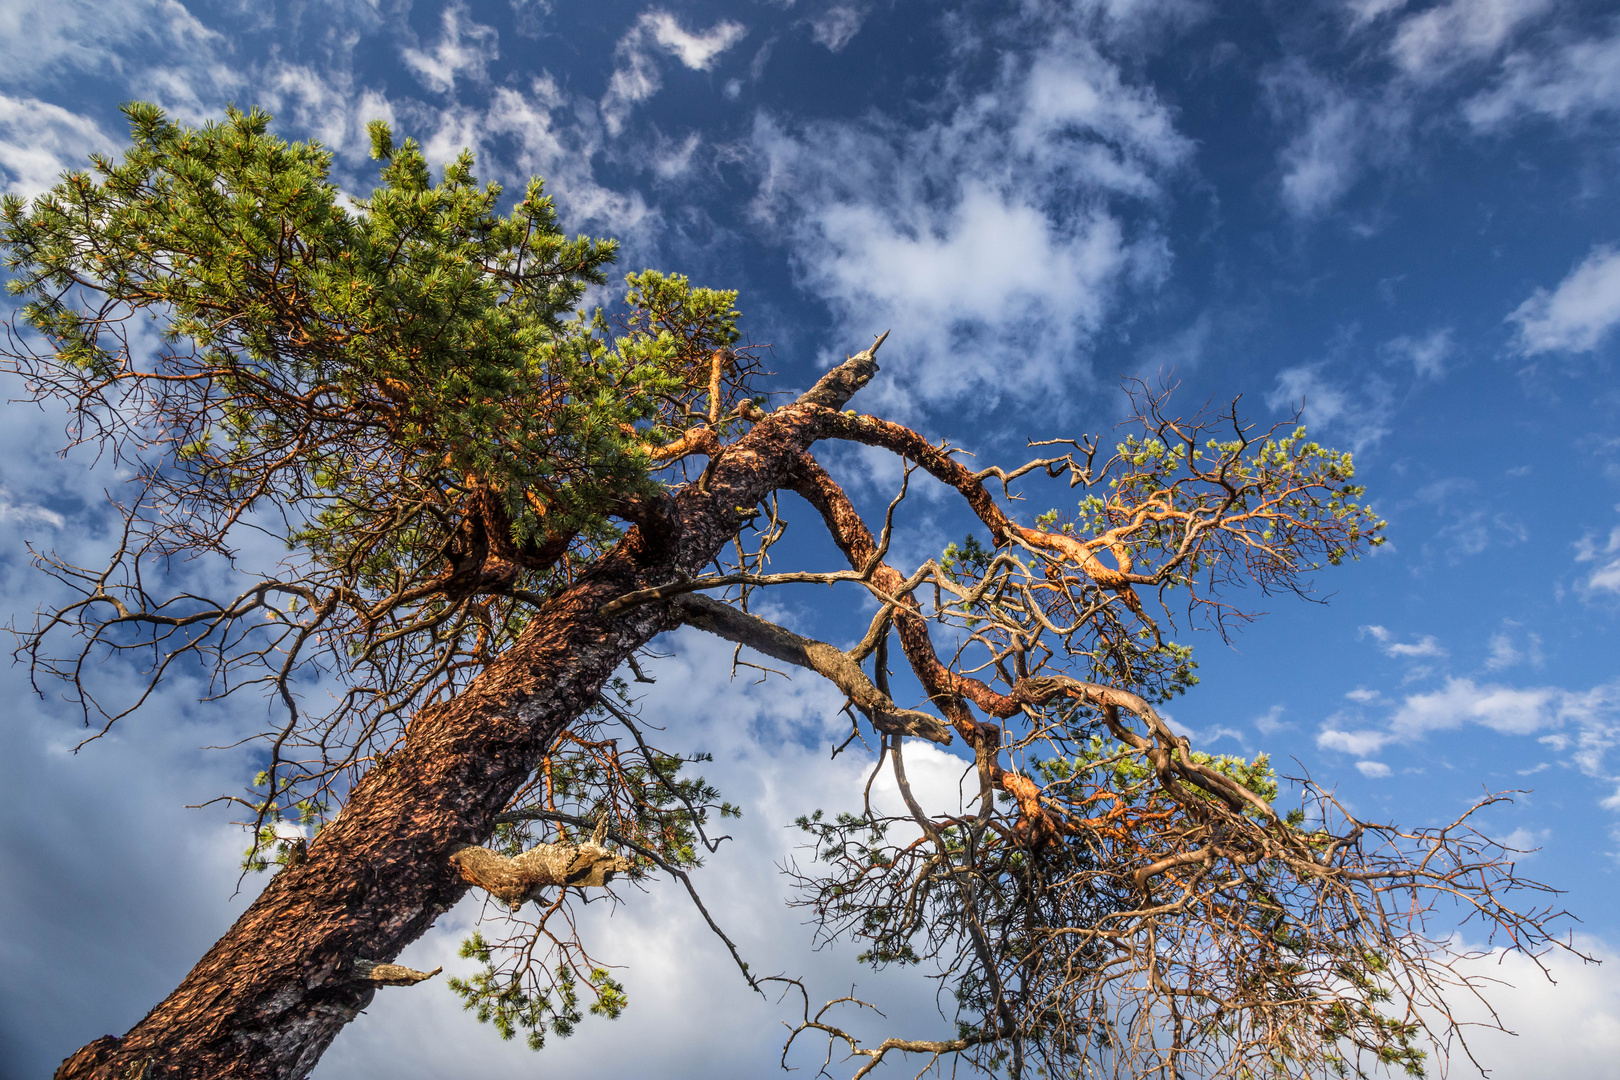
(1400,217)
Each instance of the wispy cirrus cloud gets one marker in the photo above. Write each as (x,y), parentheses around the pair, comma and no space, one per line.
(837,26)
(39,141)
(1505,651)
(463,50)
(1339,133)
(1427,45)
(1426,646)
(1362,410)
(1568,83)
(1427,354)
(42,41)
(637,74)
(1605,575)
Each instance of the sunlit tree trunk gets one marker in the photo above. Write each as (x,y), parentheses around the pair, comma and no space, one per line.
(270,996)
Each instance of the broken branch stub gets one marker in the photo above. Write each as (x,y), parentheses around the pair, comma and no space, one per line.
(390,974)
(521,878)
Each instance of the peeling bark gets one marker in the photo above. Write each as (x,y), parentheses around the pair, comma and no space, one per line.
(390,974)
(544,866)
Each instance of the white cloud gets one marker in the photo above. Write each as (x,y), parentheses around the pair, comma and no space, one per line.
(1605,577)
(1355,743)
(636,75)
(1366,11)
(1567,84)
(1427,355)
(1320,164)
(39,141)
(1504,709)
(1579,313)
(1271,721)
(44,39)
(697,51)
(1340,131)
(541,131)
(1373,770)
(1583,724)
(463,51)
(1425,646)
(1563,1014)
(988,241)
(1431,43)
(1523,842)
(23,514)
(836,26)
(1503,653)
(1506,653)
(1471,532)
(1364,412)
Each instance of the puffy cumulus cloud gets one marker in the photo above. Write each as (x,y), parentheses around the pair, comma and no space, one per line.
(697,51)
(1567,84)
(1362,411)
(1429,44)
(993,240)
(1560,1014)
(326,104)
(1357,743)
(463,51)
(1373,770)
(637,75)
(1504,709)
(39,141)
(1576,315)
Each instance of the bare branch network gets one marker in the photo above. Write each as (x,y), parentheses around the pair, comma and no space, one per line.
(491,502)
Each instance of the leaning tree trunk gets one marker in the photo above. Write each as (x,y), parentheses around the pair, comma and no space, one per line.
(272,993)
(270,996)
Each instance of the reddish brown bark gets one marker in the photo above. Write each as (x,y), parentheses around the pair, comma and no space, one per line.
(270,996)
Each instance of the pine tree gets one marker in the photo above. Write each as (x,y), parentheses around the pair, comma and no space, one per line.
(494,496)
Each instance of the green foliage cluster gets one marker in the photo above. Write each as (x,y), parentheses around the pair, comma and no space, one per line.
(406,379)
(271,847)
(531,980)
(405,386)
(512,1005)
